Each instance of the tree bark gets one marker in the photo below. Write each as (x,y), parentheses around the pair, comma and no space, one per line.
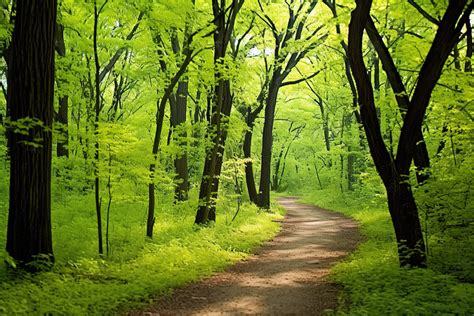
(263,200)
(160,114)
(395,172)
(284,63)
(209,188)
(406,223)
(178,105)
(220,111)
(249,176)
(62,117)
(251,116)
(30,97)
(421,157)
(181,161)
(97,108)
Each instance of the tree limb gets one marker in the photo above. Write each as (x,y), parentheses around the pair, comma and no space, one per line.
(110,65)
(287,83)
(423,12)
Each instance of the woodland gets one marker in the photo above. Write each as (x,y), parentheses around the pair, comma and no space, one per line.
(143,143)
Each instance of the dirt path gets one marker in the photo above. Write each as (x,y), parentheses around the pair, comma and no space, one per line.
(286,276)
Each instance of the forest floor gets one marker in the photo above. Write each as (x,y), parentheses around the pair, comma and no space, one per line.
(287,275)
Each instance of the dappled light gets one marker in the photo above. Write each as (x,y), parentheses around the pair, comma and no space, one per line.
(285,276)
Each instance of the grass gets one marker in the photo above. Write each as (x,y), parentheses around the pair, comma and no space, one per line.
(136,269)
(373,282)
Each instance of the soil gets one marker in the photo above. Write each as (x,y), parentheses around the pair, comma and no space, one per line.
(287,275)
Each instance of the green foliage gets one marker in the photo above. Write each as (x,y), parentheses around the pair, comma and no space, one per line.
(373,282)
(135,269)
(82,283)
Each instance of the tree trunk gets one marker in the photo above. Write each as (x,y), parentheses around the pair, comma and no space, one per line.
(249,176)
(63,141)
(208,191)
(395,172)
(325,119)
(406,223)
(62,117)
(160,114)
(220,111)
(178,105)
(420,157)
(181,162)
(263,200)
(97,108)
(251,117)
(30,96)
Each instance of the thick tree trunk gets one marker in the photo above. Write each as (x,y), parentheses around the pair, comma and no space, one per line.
(406,223)
(178,105)
(30,96)
(209,188)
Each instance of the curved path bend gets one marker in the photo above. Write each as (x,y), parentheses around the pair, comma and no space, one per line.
(287,275)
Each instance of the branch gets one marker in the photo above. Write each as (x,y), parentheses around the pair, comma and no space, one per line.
(287,83)
(239,41)
(119,52)
(102,7)
(443,43)
(235,8)
(267,20)
(388,65)
(378,150)
(423,12)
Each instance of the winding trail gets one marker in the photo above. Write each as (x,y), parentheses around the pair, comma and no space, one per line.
(287,275)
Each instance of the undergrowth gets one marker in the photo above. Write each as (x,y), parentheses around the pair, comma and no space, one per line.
(373,282)
(136,269)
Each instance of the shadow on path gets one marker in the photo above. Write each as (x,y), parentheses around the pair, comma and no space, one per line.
(286,275)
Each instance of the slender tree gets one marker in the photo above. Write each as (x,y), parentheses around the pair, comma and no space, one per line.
(160,114)
(30,108)
(100,74)
(285,60)
(62,149)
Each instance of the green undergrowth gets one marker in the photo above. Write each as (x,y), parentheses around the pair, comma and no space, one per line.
(136,270)
(373,282)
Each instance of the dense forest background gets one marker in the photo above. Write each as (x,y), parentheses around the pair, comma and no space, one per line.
(169,114)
